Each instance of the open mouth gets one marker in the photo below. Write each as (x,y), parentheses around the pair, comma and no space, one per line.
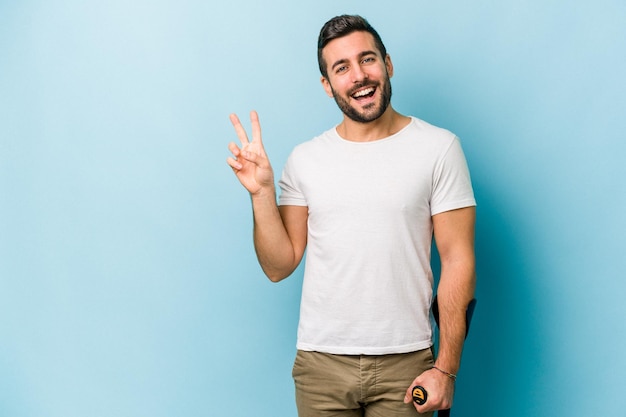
(364,93)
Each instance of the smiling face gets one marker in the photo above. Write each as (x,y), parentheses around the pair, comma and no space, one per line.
(358,76)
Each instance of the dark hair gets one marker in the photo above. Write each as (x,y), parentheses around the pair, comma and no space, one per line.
(340,26)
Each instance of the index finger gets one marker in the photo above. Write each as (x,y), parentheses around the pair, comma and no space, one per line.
(256,126)
(241,132)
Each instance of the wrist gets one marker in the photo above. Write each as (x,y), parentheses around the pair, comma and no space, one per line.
(446,373)
(264,192)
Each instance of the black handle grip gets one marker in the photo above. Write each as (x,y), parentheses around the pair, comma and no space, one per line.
(420,395)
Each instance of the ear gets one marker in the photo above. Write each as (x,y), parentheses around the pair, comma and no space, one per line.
(327,87)
(389,65)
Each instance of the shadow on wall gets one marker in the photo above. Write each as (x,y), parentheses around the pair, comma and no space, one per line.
(500,359)
(501,365)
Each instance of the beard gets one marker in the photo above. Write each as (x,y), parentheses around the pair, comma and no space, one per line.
(372,111)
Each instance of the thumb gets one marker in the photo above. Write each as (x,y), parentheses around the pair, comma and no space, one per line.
(408,396)
(416,392)
(250,156)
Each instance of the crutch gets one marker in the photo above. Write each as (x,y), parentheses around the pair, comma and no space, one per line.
(420,395)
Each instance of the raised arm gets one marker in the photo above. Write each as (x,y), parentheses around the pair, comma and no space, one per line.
(279,234)
(454,236)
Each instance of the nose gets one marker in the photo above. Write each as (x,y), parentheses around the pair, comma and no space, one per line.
(358,74)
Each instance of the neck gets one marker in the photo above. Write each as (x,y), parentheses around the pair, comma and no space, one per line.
(390,123)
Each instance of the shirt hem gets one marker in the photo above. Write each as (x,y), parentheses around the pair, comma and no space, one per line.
(453,206)
(354,350)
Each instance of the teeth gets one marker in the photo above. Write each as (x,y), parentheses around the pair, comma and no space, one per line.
(364,92)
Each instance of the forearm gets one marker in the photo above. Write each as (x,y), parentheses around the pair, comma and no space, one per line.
(454,235)
(274,248)
(455,291)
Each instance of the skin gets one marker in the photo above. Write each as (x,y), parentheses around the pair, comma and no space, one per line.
(280,233)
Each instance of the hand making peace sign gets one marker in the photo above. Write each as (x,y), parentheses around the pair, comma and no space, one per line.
(250,162)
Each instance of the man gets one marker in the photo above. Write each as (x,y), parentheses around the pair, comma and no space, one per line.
(365,199)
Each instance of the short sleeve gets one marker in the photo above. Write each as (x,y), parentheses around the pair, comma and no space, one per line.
(290,193)
(452,186)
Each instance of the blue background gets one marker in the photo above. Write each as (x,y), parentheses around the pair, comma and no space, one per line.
(128,281)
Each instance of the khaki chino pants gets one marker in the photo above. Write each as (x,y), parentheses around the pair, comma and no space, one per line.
(357,385)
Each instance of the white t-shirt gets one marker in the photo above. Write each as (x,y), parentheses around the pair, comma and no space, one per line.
(368,282)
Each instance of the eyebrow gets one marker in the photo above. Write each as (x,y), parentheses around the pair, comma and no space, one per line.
(361,56)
